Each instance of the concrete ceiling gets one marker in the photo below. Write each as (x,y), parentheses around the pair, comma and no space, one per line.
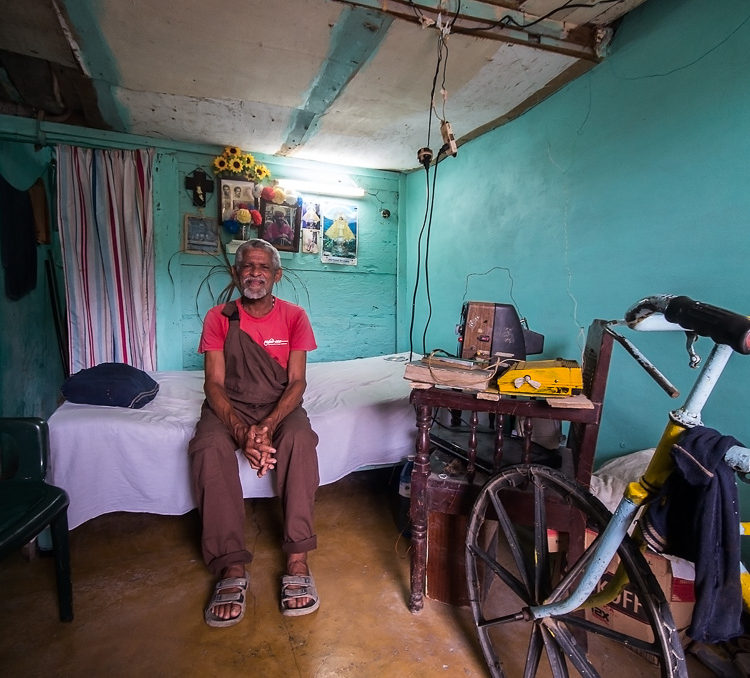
(335,81)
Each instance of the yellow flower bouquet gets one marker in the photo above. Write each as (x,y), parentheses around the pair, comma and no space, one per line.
(234,163)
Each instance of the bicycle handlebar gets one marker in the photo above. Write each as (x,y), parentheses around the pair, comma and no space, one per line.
(719,324)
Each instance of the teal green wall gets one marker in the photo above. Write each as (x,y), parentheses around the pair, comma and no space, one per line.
(352,308)
(631,181)
(31,367)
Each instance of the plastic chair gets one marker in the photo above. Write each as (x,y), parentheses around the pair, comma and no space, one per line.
(27,504)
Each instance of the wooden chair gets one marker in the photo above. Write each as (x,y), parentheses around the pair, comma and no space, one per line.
(442,496)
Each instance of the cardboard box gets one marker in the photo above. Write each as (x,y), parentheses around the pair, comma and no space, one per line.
(625,613)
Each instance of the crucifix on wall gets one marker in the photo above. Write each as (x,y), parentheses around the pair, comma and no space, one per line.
(199,183)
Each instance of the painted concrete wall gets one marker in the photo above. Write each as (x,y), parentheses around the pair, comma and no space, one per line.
(31,367)
(631,181)
(352,308)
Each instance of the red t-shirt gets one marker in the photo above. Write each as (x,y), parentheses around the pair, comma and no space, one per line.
(286,328)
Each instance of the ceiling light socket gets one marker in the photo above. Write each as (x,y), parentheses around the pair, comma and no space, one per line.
(424,156)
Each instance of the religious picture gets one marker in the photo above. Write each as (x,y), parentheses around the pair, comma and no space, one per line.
(311,224)
(339,232)
(281,225)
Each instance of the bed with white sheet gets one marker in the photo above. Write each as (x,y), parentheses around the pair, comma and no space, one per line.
(120,459)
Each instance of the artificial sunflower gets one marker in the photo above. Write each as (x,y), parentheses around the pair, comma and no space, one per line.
(234,163)
(248,161)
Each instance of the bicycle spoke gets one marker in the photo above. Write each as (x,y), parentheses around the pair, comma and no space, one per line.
(507,577)
(619,637)
(572,649)
(555,655)
(533,652)
(509,531)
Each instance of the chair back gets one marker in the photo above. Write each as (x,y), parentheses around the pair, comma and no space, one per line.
(24,448)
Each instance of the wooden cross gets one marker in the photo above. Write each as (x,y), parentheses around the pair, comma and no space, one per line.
(199,183)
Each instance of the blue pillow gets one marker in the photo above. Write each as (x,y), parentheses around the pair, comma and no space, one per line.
(113,384)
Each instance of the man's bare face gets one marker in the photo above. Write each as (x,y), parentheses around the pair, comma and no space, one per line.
(256,273)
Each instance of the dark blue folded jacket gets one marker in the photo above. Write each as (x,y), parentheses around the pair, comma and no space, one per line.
(115,384)
(695,516)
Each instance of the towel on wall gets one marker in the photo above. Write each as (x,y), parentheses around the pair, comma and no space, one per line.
(695,516)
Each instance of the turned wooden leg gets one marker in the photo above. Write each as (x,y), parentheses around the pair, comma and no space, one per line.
(418,508)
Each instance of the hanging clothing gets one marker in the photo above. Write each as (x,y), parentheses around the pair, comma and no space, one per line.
(17,241)
(695,516)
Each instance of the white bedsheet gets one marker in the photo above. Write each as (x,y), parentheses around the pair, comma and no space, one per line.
(118,459)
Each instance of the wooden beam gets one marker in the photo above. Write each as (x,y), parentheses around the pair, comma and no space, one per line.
(578,41)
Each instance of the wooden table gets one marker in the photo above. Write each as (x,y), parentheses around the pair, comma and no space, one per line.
(581,439)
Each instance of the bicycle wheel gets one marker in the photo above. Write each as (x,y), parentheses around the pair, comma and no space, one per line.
(511,564)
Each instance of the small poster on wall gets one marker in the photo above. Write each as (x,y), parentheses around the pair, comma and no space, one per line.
(311,225)
(339,232)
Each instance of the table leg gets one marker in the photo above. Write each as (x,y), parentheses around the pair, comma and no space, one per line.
(499,442)
(418,508)
(472,465)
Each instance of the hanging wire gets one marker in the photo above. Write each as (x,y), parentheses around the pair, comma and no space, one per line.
(508,20)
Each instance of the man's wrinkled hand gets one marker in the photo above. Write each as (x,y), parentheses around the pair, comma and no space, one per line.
(259,451)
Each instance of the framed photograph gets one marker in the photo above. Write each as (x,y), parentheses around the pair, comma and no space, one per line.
(235,194)
(200,234)
(281,225)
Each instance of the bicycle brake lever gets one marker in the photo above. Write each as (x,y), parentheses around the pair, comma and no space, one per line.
(695,359)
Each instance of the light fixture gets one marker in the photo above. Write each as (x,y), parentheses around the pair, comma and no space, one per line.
(338,187)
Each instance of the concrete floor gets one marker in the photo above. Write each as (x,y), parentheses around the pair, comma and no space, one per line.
(140,588)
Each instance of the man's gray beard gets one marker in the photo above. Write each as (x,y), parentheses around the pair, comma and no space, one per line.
(249,294)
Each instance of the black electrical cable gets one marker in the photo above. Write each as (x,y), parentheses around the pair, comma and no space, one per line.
(427,250)
(508,20)
(442,58)
(419,262)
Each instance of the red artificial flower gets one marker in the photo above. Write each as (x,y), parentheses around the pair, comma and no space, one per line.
(256,217)
(267,193)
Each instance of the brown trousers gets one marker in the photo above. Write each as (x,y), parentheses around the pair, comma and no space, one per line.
(252,377)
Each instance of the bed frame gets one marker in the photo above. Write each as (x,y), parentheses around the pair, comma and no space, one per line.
(120,459)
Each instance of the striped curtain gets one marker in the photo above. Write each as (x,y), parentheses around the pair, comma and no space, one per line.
(105,217)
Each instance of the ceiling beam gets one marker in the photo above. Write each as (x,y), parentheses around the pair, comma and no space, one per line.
(496,21)
(354,39)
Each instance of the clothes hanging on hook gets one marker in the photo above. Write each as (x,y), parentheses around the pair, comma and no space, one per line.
(17,241)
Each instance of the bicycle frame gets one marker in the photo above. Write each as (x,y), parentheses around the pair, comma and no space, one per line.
(636,495)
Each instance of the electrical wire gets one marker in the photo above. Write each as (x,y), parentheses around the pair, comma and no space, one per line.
(441,61)
(419,264)
(427,259)
(508,20)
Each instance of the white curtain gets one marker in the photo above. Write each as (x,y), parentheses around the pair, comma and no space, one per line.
(105,216)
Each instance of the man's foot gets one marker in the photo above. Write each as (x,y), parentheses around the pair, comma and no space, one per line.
(227,605)
(298,593)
